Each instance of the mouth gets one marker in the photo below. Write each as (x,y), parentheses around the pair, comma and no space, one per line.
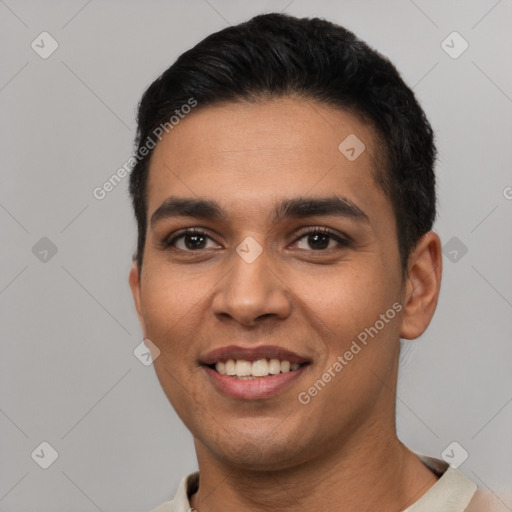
(261,368)
(254,373)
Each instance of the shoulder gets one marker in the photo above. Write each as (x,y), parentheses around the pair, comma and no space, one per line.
(180,503)
(164,507)
(456,488)
(486,501)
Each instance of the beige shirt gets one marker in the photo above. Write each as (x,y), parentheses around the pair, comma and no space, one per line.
(453,492)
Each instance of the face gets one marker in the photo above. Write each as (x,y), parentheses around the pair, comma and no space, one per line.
(294,257)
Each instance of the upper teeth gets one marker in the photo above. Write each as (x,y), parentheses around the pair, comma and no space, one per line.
(259,368)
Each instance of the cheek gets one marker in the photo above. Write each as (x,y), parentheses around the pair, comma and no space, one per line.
(351,304)
(347,298)
(170,308)
(358,341)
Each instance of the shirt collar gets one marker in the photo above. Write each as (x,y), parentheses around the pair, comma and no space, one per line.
(451,493)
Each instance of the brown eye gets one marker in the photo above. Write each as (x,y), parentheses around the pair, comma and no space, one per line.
(194,241)
(190,240)
(319,239)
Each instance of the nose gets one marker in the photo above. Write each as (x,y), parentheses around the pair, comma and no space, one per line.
(252,291)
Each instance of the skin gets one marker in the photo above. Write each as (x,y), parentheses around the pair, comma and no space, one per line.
(276,453)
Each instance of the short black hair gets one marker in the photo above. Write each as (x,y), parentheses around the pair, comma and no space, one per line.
(277,55)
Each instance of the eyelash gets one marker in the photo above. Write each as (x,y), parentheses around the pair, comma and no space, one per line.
(344,242)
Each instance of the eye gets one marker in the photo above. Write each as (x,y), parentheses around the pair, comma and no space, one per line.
(319,239)
(189,240)
(316,239)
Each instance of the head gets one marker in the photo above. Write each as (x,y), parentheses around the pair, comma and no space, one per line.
(267,130)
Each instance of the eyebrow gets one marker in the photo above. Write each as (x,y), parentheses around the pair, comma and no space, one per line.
(298,207)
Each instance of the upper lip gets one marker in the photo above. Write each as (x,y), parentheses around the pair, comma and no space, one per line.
(251,354)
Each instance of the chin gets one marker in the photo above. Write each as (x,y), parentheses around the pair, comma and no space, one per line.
(257,448)
(253,457)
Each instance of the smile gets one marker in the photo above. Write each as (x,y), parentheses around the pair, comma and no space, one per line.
(253,373)
(244,369)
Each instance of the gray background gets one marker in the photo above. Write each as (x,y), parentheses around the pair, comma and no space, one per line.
(68,374)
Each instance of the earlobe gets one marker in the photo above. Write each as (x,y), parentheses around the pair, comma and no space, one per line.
(423,283)
(135,286)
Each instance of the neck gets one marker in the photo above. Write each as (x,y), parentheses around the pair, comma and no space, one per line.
(372,471)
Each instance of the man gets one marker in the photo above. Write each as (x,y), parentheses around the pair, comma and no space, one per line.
(285,193)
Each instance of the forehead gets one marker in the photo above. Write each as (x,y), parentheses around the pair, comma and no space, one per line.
(244,155)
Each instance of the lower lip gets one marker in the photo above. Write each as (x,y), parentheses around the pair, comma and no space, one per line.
(253,389)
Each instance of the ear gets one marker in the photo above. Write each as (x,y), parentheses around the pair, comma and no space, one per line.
(134,280)
(422,286)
